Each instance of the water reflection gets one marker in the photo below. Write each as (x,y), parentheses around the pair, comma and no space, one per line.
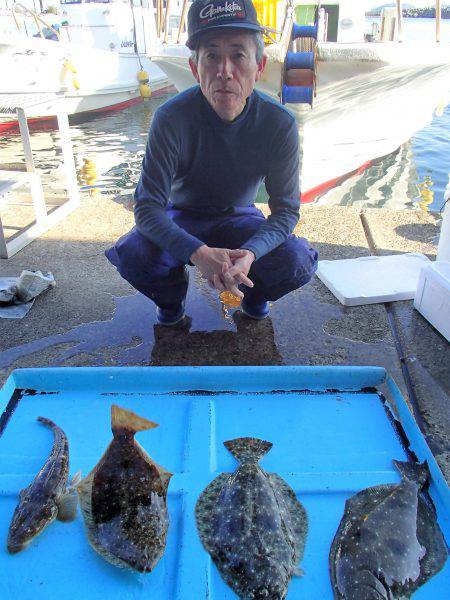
(108,150)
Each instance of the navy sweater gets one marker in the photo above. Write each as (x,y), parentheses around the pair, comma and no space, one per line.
(195,160)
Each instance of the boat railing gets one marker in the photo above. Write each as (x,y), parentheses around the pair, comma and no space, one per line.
(20,9)
(399,17)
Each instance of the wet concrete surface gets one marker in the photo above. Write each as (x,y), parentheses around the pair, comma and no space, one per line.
(93,317)
(425,352)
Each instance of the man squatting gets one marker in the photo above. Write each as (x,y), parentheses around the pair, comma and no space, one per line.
(209,148)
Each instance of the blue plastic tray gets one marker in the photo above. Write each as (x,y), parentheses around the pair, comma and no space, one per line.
(332,435)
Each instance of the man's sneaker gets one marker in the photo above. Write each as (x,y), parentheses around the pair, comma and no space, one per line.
(170,316)
(255,311)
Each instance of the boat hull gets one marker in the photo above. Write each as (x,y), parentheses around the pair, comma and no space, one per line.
(370,99)
(86,79)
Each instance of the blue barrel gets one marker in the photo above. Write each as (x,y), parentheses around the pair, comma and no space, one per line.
(300,60)
(304,31)
(298,94)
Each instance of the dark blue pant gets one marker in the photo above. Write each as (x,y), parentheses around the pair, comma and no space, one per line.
(163,279)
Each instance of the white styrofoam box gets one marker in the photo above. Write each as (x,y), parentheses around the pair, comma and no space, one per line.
(372,279)
(432,297)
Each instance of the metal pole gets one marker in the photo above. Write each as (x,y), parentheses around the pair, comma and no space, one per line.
(37,195)
(26,142)
(438,21)
(159,12)
(68,159)
(183,18)
(400,21)
(166,22)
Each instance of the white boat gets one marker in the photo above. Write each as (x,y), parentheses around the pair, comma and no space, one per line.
(93,60)
(370,97)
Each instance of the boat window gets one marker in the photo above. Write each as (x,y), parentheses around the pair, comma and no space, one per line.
(305,15)
(333,21)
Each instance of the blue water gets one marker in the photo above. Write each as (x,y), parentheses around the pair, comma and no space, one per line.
(417,30)
(431,155)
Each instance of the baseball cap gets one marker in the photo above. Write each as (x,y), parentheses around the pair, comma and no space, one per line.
(205,15)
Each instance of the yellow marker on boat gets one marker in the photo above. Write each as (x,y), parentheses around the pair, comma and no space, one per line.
(144,88)
(66,69)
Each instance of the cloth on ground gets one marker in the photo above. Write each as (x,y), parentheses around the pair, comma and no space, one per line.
(17,294)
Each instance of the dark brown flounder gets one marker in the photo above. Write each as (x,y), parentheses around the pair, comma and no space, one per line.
(252,525)
(123,499)
(48,496)
(388,543)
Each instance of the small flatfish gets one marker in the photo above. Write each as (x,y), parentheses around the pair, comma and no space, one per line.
(252,525)
(48,497)
(124,499)
(388,542)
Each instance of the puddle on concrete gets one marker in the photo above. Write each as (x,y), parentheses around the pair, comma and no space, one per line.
(305,327)
(134,319)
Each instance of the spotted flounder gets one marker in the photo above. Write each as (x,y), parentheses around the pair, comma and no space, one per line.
(47,497)
(388,543)
(124,499)
(252,525)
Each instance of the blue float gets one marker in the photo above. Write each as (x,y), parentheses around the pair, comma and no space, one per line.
(297,94)
(304,31)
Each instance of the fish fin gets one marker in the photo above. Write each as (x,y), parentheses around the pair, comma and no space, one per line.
(247,449)
(84,490)
(430,537)
(163,473)
(75,481)
(297,512)
(165,476)
(204,510)
(67,507)
(127,419)
(412,471)
(68,502)
(298,572)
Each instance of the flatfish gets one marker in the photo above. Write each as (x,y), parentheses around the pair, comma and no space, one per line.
(124,499)
(252,525)
(47,497)
(388,542)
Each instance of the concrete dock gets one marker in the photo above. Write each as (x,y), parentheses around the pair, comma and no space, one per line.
(93,317)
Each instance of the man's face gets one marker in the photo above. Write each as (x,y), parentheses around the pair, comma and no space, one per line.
(227,70)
